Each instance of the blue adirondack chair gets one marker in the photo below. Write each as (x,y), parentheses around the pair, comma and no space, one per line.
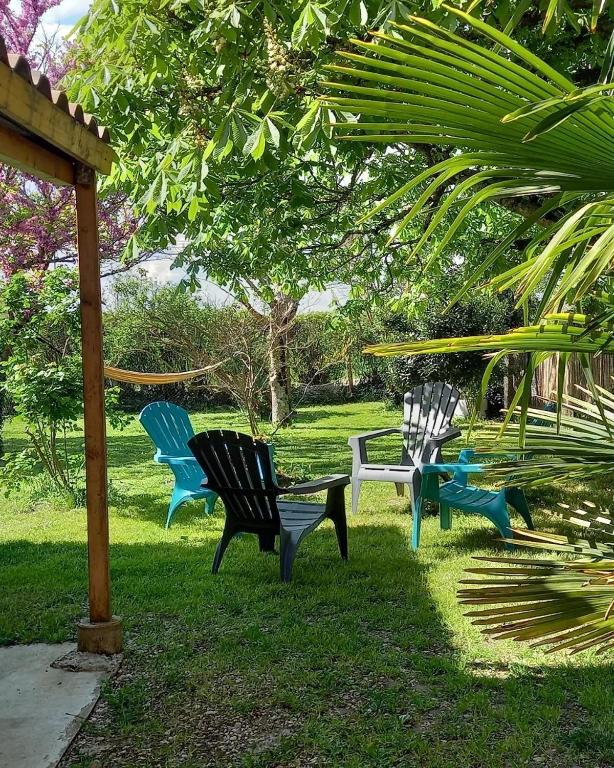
(169,427)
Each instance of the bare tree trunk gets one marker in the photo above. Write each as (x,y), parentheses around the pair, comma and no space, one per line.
(280,404)
(282,313)
(253,421)
(349,364)
(2,399)
(286,376)
(3,404)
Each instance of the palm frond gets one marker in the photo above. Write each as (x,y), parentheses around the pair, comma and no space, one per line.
(557,332)
(590,517)
(575,442)
(522,128)
(557,604)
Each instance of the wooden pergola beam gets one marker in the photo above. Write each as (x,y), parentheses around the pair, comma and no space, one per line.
(44,135)
(32,111)
(18,151)
(102,633)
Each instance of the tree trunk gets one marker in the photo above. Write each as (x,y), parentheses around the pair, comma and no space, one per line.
(280,403)
(282,313)
(3,404)
(350,370)
(2,398)
(286,376)
(253,421)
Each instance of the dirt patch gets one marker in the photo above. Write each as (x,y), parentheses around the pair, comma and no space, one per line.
(185,730)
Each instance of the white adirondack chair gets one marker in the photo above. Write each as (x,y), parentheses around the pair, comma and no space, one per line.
(427,416)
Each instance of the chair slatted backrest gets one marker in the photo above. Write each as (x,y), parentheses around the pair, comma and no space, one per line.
(169,427)
(428,411)
(240,470)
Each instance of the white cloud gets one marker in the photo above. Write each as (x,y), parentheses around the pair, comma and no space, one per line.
(60,20)
(160,271)
(66,13)
(318,301)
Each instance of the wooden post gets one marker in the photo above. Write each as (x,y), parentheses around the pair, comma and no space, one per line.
(103,632)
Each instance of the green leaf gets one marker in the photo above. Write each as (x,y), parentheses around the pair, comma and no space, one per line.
(558,117)
(193,209)
(598,7)
(607,69)
(359,15)
(256,143)
(235,16)
(272,131)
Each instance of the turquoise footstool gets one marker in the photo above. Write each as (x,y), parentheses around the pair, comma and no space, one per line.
(458,494)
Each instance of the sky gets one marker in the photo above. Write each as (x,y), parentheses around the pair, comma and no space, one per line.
(62,17)
(60,20)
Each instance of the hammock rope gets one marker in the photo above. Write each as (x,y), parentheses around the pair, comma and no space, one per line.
(137,377)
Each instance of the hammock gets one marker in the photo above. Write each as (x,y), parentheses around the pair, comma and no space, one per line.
(136,377)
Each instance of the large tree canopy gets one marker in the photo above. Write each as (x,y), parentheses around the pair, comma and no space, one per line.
(222,142)
(207,97)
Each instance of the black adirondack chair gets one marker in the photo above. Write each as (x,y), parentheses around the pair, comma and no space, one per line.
(239,469)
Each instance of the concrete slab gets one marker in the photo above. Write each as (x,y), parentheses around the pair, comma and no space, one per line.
(41,708)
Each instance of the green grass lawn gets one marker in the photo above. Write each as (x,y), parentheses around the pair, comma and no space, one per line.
(365,663)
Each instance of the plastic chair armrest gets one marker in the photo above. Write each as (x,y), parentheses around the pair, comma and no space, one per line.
(315,486)
(433,445)
(362,438)
(445,437)
(453,468)
(161,458)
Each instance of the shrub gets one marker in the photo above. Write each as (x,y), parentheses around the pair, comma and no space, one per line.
(165,329)
(316,353)
(326,356)
(478,313)
(155,328)
(40,332)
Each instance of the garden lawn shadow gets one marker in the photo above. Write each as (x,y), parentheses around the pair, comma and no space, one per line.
(358,665)
(349,665)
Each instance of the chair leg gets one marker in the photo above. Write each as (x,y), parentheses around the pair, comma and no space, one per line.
(267,541)
(445,517)
(515,497)
(210,504)
(177,499)
(229,532)
(400,489)
(501,519)
(416,511)
(288,546)
(355,494)
(335,509)
(342,533)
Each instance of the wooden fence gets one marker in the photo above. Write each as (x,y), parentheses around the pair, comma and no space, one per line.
(545,381)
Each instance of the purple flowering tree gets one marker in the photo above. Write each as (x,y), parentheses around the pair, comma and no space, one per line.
(37,218)
(40,360)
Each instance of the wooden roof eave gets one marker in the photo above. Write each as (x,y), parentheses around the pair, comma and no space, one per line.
(33,114)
